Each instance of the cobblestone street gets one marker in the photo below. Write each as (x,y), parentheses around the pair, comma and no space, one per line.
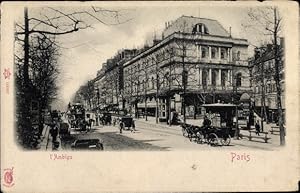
(156,137)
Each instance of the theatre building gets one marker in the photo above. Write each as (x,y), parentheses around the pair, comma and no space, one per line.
(196,61)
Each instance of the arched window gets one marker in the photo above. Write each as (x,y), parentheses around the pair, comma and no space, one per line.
(200,28)
(239,79)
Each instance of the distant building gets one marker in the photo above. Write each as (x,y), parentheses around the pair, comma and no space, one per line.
(195,55)
(263,82)
(109,81)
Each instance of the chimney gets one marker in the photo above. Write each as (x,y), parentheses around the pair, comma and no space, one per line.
(230,31)
(166,26)
(156,41)
(282,42)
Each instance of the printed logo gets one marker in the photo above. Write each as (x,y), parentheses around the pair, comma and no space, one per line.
(8,177)
(6,73)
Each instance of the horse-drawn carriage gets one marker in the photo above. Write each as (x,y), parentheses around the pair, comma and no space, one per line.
(219,131)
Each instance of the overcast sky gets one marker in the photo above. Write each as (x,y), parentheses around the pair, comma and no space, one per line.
(89,48)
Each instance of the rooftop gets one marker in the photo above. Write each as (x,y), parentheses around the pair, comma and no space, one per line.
(186,24)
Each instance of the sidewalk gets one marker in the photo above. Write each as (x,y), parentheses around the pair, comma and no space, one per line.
(152,121)
(46,143)
(274,142)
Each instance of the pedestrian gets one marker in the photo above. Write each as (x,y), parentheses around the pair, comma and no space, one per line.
(257,127)
(171,118)
(54,132)
(121,126)
(133,126)
(114,121)
(234,121)
(97,121)
(206,122)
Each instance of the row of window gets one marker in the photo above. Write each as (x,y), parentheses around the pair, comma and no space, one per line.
(214,52)
(269,88)
(151,84)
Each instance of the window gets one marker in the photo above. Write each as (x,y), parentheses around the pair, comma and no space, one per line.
(213,52)
(214,78)
(274,87)
(204,78)
(223,53)
(185,77)
(239,80)
(269,102)
(200,28)
(223,78)
(203,52)
(238,55)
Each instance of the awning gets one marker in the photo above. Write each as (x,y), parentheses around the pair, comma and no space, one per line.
(221,106)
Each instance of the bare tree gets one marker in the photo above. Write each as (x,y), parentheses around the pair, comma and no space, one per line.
(87,91)
(43,73)
(268,22)
(145,83)
(163,70)
(182,47)
(49,23)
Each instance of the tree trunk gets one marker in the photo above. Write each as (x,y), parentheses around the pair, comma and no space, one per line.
(237,130)
(195,112)
(277,81)
(136,110)
(169,110)
(156,109)
(184,86)
(146,118)
(25,120)
(157,87)
(41,117)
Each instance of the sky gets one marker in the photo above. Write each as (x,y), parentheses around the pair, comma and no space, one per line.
(85,51)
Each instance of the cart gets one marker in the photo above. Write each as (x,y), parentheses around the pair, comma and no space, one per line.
(127,122)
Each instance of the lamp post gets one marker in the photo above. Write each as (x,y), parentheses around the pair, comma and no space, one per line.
(98,95)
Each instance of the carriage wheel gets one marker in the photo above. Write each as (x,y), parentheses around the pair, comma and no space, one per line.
(184,132)
(200,137)
(190,137)
(225,140)
(213,139)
